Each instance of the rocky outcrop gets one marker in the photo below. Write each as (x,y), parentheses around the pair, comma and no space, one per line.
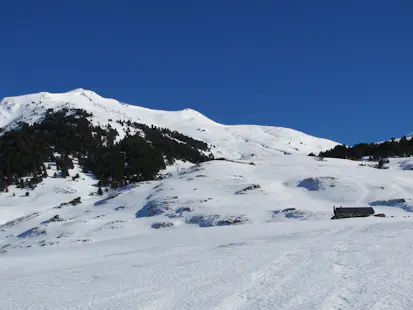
(216,220)
(32,232)
(56,218)
(156,207)
(160,225)
(398,203)
(73,202)
(248,188)
(316,184)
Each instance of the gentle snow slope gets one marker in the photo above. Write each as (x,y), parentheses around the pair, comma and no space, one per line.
(234,142)
(356,264)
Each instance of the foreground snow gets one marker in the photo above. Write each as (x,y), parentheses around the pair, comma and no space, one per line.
(348,264)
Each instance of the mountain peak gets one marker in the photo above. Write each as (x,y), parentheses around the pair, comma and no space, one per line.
(78,90)
(82,91)
(233,142)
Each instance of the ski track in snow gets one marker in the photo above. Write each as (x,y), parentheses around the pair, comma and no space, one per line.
(359,266)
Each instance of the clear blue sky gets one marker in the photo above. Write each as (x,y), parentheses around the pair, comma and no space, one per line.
(336,69)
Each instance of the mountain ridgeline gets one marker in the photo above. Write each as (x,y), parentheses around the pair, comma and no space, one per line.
(394,148)
(68,134)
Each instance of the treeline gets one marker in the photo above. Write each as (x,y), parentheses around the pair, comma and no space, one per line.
(153,130)
(68,134)
(393,148)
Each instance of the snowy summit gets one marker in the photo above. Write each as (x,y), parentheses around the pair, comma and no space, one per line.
(235,142)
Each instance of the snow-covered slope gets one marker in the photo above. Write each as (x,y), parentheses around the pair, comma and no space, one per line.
(251,232)
(232,236)
(234,142)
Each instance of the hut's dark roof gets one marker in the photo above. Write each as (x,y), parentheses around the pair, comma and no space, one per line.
(341,210)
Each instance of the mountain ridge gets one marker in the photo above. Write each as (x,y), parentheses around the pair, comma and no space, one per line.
(231,141)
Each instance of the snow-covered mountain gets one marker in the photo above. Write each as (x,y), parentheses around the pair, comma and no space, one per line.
(233,142)
(251,232)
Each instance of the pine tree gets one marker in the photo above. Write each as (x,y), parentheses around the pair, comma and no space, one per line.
(64,170)
(100,192)
(68,132)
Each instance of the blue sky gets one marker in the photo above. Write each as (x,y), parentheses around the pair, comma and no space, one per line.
(336,69)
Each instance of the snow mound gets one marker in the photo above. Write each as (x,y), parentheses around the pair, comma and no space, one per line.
(407,164)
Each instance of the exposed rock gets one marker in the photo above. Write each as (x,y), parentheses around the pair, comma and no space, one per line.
(184,209)
(232,244)
(316,184)
(292,213)
(203,220)
(380,215)
(214,220)
(32,232)
(232,221)
(64,235)
(162,225)
(55,218)
(73,202)
(155,207)
(163,176)
(248,188)
(399,203)
(283,211)
(390,202)
(119,208)
(47,243)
